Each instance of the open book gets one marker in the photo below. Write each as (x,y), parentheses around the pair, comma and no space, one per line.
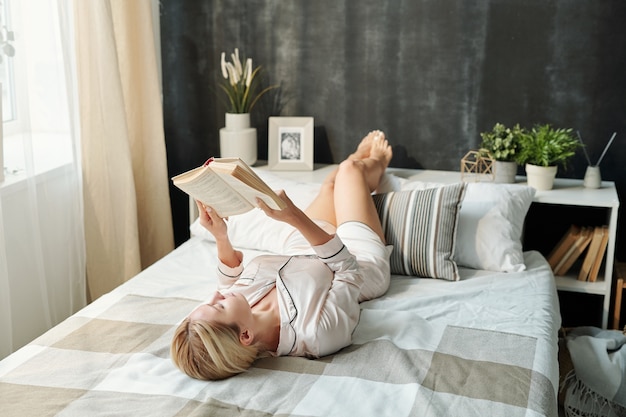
(228,185)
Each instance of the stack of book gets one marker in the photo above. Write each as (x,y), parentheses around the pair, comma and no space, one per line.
(588,241)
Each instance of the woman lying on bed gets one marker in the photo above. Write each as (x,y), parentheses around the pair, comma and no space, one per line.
(305,303)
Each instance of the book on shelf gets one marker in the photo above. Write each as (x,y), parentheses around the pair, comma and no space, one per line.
(563,246)
(595,269)
(228,185)
(583,237)
(593,260)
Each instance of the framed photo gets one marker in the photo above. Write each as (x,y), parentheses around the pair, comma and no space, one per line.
(290,144)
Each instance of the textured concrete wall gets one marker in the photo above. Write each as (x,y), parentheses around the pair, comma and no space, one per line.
(431,74)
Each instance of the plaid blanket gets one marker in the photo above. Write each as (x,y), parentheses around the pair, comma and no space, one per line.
(428,348)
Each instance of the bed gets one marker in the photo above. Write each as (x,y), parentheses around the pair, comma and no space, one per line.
(482,342)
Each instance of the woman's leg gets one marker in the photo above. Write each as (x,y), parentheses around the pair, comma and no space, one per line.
(323,206)
(356,179)
(358,223)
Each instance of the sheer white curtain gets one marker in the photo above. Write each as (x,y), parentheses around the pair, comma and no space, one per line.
(42,249)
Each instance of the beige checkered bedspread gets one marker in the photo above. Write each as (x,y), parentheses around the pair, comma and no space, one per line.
(485,346)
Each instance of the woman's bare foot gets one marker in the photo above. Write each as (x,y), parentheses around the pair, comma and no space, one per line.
(379,155)
(363,149)
(381,151)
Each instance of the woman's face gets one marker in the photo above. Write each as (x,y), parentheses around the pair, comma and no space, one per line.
(227,309)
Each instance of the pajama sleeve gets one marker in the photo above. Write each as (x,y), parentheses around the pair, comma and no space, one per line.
(340,311)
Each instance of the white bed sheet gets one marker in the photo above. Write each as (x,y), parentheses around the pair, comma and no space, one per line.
(489,318)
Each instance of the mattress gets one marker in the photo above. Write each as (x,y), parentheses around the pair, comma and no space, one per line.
(485,345)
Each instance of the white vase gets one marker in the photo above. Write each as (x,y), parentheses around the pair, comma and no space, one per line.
(539,177)
(592,177)
(238,139)
(505,172)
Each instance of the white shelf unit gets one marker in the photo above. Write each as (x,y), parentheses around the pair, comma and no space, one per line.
(571,193)
(566,192)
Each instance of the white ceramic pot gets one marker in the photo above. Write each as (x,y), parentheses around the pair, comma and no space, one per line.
(539,177)
(505,172)
(592,177)
(238,139)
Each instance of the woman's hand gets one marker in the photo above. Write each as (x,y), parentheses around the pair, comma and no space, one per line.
(217,227)
(212,222)
(289,214)
(295,217)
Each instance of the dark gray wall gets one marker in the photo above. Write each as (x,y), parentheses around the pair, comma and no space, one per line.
(432,74)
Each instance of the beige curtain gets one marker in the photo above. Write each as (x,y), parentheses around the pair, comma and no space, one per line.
(125,184)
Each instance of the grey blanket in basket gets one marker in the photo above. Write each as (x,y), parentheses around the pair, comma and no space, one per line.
(599,358)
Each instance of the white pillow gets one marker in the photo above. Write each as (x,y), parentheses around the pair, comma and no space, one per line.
(254,230)
(490,226)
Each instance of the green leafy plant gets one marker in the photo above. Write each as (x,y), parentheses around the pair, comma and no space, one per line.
(501,142)
(547,146)
(242,83)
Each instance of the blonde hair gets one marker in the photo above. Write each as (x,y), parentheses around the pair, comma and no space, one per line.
(211,350)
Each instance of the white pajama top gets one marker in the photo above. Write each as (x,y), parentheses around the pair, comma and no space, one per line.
(317,296)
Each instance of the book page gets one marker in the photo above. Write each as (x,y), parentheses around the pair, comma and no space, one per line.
(209,188)
(247,192)
(240,170)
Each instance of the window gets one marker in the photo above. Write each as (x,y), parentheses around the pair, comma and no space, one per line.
(7,51)
(36,115)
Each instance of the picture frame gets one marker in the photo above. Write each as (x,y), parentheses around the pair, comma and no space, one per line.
(290,144)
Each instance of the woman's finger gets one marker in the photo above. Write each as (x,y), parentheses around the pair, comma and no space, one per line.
(201,210)
(263,206)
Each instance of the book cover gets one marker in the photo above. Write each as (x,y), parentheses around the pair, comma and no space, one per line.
(563,246)
(597,262)
(579,246)
(592,253)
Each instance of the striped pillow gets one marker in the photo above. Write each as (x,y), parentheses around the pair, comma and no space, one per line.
(421,226)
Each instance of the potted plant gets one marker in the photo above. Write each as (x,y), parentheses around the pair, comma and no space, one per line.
(242,88)
(503,144)
(542,149)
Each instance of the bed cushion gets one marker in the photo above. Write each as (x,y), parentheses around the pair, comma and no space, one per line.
(421,226)
(490,226)
(253,229)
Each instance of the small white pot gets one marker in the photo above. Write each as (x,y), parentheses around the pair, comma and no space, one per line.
(592,177)
(505,172)
(540,178)
(238,139)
